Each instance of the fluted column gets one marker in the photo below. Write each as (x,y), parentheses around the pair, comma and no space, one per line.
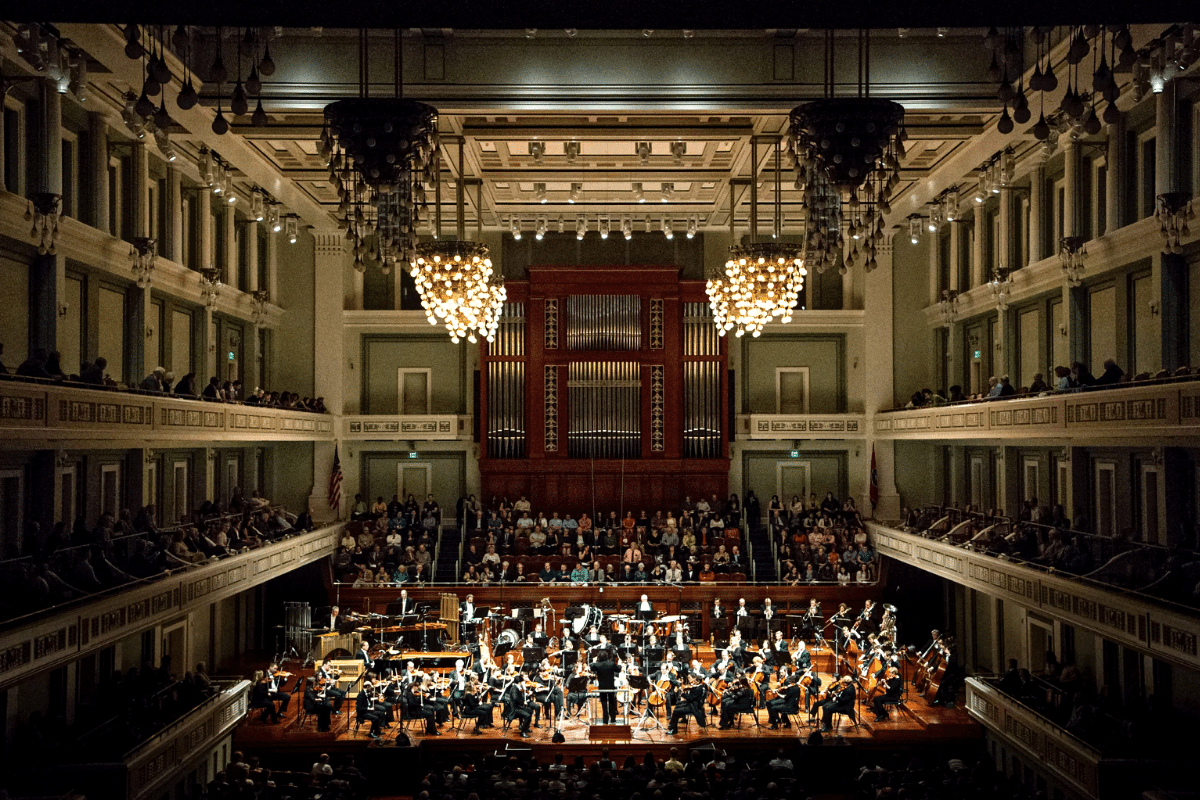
(98,185)
(1037,211)
(332,261)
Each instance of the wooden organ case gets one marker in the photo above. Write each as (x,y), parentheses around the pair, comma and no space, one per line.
(607,388)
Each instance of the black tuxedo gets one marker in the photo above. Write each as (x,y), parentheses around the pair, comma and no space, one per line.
(788,702)
(691,703)
(841,702)
(735,702)
(606,676)
(365,657)
(894,688)
(405,606)
(803,660)
(367,710)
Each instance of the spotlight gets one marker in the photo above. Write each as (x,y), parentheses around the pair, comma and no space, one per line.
(273,217)
(514,227)
(292,228)
(914,228)
(576,188)
(539,192)
(667,230)
(668,190)
(638,193)
(581,227)
(643,151)
(531,33)
(678,150)
(603,225)
(627,228)
(537,150)
(693,226)
(562,225)
(571,151)
(941,32)
(540,232)
(257,207)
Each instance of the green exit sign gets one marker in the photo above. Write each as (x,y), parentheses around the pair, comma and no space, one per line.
(232,356)
(412,453)
(979,354)
(795,454)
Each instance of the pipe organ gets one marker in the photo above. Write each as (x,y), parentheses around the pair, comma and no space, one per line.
(606,388)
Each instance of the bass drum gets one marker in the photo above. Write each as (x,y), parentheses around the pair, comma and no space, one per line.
(594,618)
(505,641)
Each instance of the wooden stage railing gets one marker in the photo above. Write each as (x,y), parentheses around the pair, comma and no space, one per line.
(694,600)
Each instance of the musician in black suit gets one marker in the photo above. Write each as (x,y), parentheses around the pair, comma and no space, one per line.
(891,696)
(414,702)
(277,695)
(473,706)
(466,609)
(736,700)
(718,624)
(519,708)
(367,710)
(405,606)
(692,703)
(742,618)
(335,695)
(336,621)
(768,622)
(841,701)
(314,704)
(802,658)
(605,669)
(364,655)
(788,701)
(645,609)
(458,684)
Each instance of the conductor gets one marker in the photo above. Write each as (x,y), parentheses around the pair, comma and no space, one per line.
(605,669)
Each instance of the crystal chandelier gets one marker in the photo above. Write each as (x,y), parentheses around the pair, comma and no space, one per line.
(847,153)
(761,281)
(454,277)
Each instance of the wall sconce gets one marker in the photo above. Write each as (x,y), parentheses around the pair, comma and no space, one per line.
(1001,285)
(948,307)
(1154,307)
(62,459)
(210,286)
(259,299)
(149,457)
(149,332)
(43,212)
(1071,255)
(1062,330)
(63,308)
(141,258)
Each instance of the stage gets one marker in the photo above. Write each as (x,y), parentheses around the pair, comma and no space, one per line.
(915,723)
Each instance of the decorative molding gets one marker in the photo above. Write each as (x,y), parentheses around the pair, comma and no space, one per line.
(550,342)
(811,426)
(551,408)
(657,405)
(423,427)
(656,324)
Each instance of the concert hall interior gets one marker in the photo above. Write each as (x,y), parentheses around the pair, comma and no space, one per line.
(549,400)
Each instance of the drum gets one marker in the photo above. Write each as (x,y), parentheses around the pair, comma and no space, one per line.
(580,623)
(506,641)
(594,617)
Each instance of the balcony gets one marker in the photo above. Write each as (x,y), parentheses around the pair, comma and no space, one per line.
(1125,413)
(150,768)
(1070,760)
(38,411)
(55,638)
(1165,630)
(775,427)
(414,427)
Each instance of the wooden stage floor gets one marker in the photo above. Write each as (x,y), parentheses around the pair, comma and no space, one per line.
(916,723)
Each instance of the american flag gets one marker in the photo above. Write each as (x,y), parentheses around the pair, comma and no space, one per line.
(874,480)
(335,481)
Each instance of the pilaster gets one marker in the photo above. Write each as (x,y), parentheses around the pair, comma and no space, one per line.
(878,391)
(332,261)
(98,158)
(1037,212)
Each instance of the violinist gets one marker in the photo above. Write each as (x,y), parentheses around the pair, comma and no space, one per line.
(841,701)
(787,701)
(737,648)
(414,702)
(458,684)
(802,657)
(724,669)
(812,692)
(578,699)
(891,695)
(276,680)
(691,703)
(473,706)
(328,676)
(315,704)
(367,710)
(737,699)
(518,707)
(550,693)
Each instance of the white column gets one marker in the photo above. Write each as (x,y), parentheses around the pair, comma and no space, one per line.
(1003,356)
(173,224)
(205,233)
(139,194)
(955,255)
(1004,247)
(878,392)
(272,286)
(98,155)
(847,290)
(1037,208)
(1115,169)
(229,220)
(251,255)
(332,261)
(935,253)
(977,271)
(1071,197)
(50,178)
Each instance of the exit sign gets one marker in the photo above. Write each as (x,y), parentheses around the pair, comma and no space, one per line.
(979,354)
(232,356)
(795,454)
(412,453)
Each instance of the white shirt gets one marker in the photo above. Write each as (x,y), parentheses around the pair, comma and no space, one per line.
(644,605)
(742,612)
(768,611)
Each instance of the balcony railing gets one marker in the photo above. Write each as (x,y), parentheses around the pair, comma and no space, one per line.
(1171,407)
(155,764)
(1168,631)
(415,427)
(63,637)
(35,410)
(801,426)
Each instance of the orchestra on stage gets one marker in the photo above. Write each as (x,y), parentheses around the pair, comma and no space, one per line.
(643,668)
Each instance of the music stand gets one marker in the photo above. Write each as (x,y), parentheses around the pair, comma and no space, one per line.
(683,656)
(648,718)
(533,656)
(569,659)
(652,656)
(524,616)
(578,685)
